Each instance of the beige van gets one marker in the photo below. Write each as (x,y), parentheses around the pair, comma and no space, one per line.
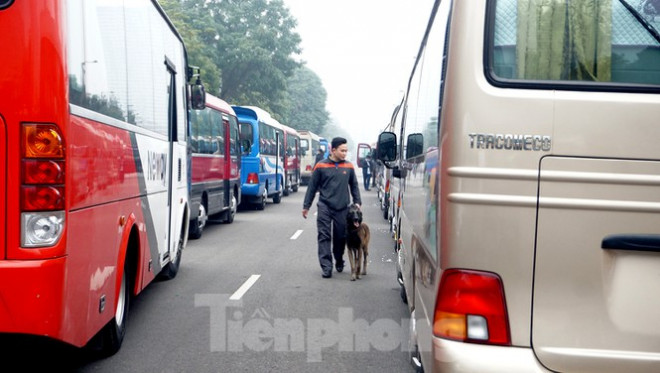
(528,159)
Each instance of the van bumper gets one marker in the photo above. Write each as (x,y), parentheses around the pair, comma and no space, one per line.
(451,356)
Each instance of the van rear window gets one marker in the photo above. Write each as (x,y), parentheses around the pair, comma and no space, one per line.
(597,41)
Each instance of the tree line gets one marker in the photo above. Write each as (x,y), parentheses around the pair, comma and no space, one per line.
(247,51)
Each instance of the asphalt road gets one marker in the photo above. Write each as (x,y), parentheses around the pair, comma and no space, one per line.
(249,297)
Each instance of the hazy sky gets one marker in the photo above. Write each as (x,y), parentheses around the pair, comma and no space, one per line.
(363,51)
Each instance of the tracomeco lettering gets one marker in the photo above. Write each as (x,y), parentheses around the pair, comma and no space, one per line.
(535,143)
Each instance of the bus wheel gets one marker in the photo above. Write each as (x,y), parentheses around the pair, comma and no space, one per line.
(108,341)
(198,224)
(413,347)
(172,268)
(229,218)
(262,203)
(285,189)
(277,198)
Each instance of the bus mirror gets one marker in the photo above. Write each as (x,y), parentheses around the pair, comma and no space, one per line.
(387,147)
(415,145)
(198,95)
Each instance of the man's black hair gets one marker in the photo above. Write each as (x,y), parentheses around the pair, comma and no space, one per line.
(337,141)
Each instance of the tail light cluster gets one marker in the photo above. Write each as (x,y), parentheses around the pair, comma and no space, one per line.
(471,307)
(253,178)
(42,185)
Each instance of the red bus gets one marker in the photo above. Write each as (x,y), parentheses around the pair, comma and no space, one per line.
(216,164)
(93,174)
(291,160)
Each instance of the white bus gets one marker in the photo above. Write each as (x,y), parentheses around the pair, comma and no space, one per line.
(309,146)
(529,170)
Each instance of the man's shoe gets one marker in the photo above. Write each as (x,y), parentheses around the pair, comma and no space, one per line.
(326,275)
(340,269)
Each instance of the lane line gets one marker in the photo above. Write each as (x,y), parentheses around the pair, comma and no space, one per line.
(297,234)
(245,287)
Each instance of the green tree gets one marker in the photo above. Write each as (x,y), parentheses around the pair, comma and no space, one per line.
(255,47)
(195,25)
(247,51)
(306,101)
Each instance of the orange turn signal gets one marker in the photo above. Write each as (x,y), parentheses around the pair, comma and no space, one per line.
(42,141)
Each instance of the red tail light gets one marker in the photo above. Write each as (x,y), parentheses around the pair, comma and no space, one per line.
(42,185)
(471,307)
(42,198)
(43,172)
(253,178)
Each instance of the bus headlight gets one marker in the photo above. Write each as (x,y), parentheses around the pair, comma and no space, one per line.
(39,229)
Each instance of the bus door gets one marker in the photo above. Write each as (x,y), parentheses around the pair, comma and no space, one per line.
(279,159)
(173,165)
(3,184)
(231,171)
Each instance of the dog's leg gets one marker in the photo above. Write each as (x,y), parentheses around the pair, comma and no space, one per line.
(351,259)
(365,254)
(359,263)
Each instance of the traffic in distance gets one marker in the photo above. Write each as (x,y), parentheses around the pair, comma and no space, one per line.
(518,175)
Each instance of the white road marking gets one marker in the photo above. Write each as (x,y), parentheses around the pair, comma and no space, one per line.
(297,234)
(244,288)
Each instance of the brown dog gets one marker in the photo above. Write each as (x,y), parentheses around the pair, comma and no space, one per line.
(357,241)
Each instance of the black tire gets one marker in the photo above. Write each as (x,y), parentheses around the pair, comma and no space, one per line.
(197,225)
(261,205)
(277,198)
(233,206)
(109,340)
(172,268)
(285,189)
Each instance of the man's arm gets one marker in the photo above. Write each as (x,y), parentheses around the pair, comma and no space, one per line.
(311,192)
(355,190)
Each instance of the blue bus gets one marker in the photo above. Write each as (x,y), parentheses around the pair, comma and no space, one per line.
(262,168)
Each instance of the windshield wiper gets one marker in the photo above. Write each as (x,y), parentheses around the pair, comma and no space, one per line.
(640,18)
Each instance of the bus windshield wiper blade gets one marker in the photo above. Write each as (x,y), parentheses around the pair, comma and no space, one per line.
(640,18)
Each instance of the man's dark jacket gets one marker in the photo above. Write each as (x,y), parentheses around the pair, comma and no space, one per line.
(332,180)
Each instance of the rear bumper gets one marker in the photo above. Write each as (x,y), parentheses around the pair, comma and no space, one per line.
(451,356)
(251,190)
(32,297)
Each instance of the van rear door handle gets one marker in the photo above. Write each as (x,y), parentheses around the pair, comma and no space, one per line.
(632,242)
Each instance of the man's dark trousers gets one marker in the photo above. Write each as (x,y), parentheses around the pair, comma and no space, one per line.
(329,221)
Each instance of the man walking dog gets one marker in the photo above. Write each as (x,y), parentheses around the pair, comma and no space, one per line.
(333,178)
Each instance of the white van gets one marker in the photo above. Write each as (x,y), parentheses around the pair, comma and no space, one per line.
(309,146)
(528,159)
